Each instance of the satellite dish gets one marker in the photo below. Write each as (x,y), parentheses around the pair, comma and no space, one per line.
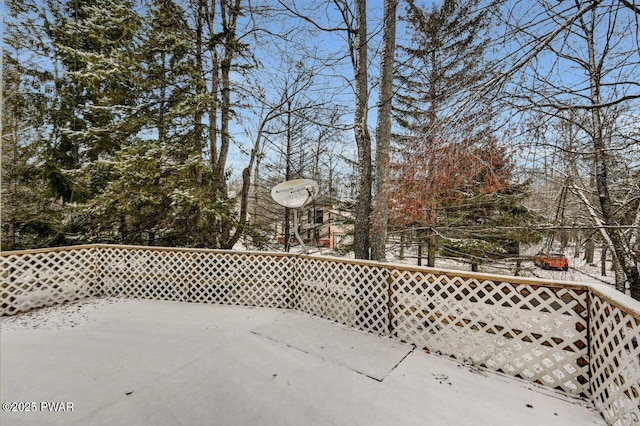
(296,193)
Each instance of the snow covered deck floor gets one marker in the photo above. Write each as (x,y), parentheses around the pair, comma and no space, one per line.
(169,363)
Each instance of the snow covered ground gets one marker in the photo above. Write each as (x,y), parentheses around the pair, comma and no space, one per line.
(579,270)
(169,363)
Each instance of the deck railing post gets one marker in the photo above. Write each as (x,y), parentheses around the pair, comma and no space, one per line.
(389,277)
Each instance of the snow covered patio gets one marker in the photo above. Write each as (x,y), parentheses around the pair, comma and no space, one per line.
(149,362)
(344,329)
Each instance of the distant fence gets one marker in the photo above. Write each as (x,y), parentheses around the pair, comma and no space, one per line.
(577,338)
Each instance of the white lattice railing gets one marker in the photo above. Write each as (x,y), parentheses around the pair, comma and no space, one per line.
(564,335)
(522,328)
(614,332)
(36,278)
(203,276)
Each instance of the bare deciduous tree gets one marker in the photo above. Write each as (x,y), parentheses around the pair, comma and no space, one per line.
(585,57)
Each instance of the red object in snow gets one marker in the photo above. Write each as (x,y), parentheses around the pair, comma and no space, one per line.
(551,261)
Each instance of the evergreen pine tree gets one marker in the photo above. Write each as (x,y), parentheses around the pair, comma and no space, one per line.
(450,171)
(163,171)
(94,42)
(33,214)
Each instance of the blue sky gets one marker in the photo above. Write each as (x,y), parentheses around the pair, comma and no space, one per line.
(332,43)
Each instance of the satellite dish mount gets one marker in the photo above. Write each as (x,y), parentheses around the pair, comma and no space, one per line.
(295,194)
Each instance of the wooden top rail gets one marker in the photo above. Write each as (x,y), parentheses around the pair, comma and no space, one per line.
(152,248)
(48,249)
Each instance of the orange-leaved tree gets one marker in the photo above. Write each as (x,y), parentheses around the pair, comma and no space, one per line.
(460,195)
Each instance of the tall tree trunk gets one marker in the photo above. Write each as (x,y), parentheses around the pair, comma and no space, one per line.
(363,139)
(380,216)
(229,12)
(288,176)
(199,42)
(13,183)
(213,91)
(589,248)
(256,189)
(432,248)
(229,15)
(626,266)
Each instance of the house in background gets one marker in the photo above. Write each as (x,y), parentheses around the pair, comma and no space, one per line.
(322,225)
(328,227)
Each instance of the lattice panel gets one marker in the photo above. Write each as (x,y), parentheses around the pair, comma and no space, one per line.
(144,274)
(243,279)
(36,279)
(352,294)
(615,362)
(537,333)
(532,331)
(198,276)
